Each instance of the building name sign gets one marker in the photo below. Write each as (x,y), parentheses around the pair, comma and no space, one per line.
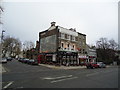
(82,57)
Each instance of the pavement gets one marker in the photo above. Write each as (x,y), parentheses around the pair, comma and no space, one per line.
(2,69)
(67,67)
(62,67)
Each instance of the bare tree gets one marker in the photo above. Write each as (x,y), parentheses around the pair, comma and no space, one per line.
(103,43)
(106,50)
(113,44)
(28,45)
(11,46)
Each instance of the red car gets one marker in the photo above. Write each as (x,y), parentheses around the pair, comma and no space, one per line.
(92,65)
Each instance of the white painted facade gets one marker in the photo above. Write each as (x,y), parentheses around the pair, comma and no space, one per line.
(65,47)
(72,46)
(67,31)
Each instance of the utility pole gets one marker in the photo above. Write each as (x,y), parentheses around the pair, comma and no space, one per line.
(2,35)
(2,42)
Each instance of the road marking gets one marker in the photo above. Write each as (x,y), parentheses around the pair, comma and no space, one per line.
(92,74)
(8,84)
(49,78)
(63,79)
(5,69)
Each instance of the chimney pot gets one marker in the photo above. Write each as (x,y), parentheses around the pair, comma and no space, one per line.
(53,23)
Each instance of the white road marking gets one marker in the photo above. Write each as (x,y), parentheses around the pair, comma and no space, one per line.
(8,84)
(49,78)
(92,74)
(63,79)
(4,69)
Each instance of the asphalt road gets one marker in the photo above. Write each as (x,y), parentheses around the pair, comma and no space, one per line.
(20,75)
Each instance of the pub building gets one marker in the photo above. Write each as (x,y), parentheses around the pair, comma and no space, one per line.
(58,45)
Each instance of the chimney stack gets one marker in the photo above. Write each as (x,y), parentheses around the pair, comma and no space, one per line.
(53,23)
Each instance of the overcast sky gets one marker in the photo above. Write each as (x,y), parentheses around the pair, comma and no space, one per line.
(96,19)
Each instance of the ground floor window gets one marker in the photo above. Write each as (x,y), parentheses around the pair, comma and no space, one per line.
(48,58)
(82,61)
(61,58)
(68,58)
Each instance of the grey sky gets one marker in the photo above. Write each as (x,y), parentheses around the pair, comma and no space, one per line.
(24,20)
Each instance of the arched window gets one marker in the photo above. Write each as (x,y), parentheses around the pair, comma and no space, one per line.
(62,45)
(73,47)
(68,45)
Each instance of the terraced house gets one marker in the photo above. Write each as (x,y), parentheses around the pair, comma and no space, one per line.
(62,46)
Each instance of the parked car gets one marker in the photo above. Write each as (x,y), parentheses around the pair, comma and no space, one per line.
(25,60)
(4,60)
(92,65)
(9,59)
(20,59)
(101,65)
(33,62)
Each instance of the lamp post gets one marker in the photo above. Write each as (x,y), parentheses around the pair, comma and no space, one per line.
(2,42)
(2,35)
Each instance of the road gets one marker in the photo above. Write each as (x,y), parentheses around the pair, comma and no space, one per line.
(20,75)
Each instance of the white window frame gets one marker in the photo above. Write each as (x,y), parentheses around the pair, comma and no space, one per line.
(68,37)
(73,38)
(62,35)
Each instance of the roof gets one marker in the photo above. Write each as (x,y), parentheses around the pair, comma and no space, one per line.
(81,34)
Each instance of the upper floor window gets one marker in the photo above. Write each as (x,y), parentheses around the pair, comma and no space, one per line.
(84,52)
(76,38)
(62,45)
(83,43)
(62,35)
(80,43)
(68,37)
(65,36)
(80,50)
(68,45)
(73,38)
(59,34)
(73,47)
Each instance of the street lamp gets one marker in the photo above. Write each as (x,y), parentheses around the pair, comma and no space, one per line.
(1,42)
(2,34)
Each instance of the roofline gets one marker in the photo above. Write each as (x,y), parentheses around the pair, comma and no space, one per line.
(43,31)
(81,34)
(66,28)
